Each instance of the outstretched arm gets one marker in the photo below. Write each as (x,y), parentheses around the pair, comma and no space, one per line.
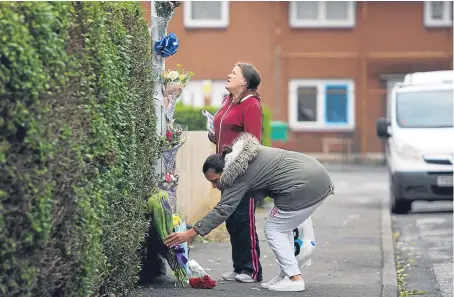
(230,200)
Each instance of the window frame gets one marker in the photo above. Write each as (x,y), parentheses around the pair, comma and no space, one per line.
(190,23)
(446,22)
(322,22)
(321,124)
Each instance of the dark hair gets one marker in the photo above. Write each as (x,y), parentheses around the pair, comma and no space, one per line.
(253,79)
(216,161)
(251,74)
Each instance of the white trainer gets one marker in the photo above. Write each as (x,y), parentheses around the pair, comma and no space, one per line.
(273,281)
(287,285)
(245,278)
(229,276)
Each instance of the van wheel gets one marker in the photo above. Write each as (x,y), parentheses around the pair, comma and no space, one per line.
(401,206)
(398,206)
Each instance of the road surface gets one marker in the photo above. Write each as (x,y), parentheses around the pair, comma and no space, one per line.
(426,237)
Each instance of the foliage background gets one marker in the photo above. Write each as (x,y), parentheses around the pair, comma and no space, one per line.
(77,147)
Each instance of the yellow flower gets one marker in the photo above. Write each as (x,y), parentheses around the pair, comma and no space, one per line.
(176,220)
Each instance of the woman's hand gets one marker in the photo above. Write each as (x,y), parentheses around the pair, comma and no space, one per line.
(175,239)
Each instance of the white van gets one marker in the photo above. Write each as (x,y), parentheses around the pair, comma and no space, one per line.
(419,138)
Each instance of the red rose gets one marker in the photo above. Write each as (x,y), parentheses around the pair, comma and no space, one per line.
(204,282)
(169,135)
(167,177)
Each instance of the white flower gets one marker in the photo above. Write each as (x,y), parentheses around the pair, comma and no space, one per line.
(173,75)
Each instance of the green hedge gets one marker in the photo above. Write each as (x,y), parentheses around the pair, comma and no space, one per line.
(194,119)
(77,144)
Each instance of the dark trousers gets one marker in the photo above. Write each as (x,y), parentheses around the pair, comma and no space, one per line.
(244,240)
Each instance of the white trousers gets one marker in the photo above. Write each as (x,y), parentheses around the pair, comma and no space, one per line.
(279,234)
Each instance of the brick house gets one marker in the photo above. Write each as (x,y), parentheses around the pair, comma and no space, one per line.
(325,66)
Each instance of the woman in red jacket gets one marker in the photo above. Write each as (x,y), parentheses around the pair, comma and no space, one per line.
(241,112)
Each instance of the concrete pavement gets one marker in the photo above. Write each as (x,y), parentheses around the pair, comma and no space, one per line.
(353,245)
(426,243)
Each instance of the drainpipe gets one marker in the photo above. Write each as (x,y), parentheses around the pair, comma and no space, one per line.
(277,81)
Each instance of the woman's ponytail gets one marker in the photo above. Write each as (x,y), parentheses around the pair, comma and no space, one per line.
(216,161)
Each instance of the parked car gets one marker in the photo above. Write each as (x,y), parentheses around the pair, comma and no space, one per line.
(419,137)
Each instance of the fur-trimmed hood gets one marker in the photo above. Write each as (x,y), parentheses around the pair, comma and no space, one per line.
(244,149)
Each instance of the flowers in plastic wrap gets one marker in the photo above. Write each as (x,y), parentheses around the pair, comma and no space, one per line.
(162,221)
(169,181)
(172,140)
(199,278)
(167,7)
(174,136)
(174,81)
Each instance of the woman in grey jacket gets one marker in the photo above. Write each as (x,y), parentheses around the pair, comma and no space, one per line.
(298,184)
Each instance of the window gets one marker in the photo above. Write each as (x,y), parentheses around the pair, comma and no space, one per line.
(206,14)
(425,109)
(322,14)
(438,13)
(321,105)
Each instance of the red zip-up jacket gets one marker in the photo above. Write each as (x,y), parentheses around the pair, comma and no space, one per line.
(232,119)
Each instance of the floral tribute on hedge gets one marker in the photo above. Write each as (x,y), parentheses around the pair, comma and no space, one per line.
(162,205)
(175,136)
(174,82)
(164,225)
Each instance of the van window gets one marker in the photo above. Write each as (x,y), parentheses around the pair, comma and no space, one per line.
(425,109)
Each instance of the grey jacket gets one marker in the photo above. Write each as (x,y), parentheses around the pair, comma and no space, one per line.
(294,180)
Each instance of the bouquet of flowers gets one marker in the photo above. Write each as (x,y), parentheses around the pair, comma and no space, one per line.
(205,282)
(169,181)
(163,223)
(169,184)
(199,278)
(175,136)
(173,139)
(174,81)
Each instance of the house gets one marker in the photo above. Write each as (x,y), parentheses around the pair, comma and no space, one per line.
(326,66)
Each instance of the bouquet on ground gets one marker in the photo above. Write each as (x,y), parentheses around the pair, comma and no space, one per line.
(199,278)
(174,82)
(163,223)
